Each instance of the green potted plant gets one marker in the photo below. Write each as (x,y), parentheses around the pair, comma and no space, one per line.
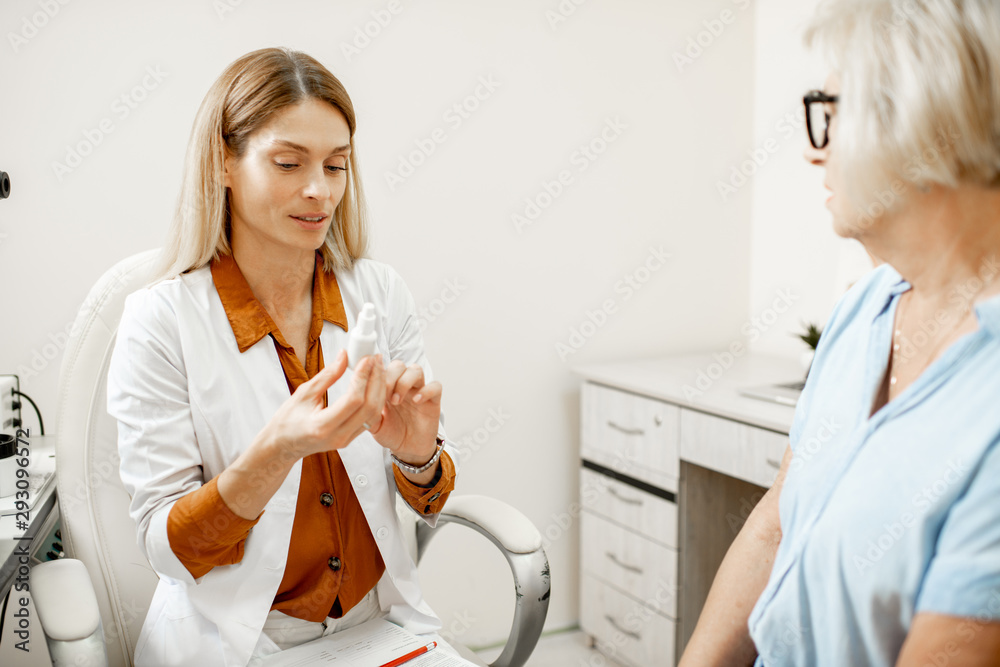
(811,338)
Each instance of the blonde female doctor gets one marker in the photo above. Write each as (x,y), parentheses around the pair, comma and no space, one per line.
(263,472)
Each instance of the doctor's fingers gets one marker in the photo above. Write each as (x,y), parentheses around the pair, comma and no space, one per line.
(429,393)
(318,384)
(362,402)
(401,379)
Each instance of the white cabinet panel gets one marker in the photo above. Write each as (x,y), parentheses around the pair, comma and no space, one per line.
(645,570)
(631,434)
(745,452)
(624,629)
(642,512)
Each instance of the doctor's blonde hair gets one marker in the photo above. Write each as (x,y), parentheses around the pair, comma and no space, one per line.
(243,99)
(920,86)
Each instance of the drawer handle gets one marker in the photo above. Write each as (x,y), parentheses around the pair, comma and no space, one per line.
(610,619)
(774,464)
(614,559)
(626,431)
(630,501)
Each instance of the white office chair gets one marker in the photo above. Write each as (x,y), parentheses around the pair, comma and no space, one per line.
(98,531)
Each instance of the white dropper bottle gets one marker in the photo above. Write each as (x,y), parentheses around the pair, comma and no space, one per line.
(361,342)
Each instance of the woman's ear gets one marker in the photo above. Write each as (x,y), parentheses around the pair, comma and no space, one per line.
(228,164)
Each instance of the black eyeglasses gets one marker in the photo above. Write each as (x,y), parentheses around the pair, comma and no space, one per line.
(817,119)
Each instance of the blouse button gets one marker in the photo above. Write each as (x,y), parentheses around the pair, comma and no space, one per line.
(326,499)
(382,533)
(361,480)
(334,563)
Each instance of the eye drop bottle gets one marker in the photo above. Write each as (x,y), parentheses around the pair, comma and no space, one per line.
(361,342)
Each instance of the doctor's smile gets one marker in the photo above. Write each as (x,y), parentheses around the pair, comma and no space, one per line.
(758,429)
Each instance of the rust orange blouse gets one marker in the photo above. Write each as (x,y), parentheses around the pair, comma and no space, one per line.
(332,558)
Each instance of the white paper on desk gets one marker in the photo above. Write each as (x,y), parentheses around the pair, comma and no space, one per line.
(370,644)
(437,658)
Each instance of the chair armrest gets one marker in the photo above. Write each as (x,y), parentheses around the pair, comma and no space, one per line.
(495,519)
(68,613)
(521,544)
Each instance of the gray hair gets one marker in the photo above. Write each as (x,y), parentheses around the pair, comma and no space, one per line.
(920,90)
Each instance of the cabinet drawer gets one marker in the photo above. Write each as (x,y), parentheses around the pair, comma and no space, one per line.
(631,434)
(633,508)
(745,452)
(625,630)
(632,563)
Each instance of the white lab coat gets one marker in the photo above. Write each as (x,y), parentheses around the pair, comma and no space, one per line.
(187,404)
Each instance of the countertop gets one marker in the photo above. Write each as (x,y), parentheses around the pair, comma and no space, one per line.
(708,382)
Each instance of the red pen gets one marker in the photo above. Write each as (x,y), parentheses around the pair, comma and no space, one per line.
(410,656)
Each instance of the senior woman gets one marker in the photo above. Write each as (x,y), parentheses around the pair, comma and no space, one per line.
(879,542)
(263,473)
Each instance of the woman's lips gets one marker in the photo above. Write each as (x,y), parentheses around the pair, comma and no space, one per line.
(309,224)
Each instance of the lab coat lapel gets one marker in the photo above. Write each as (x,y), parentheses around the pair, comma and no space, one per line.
(265,382)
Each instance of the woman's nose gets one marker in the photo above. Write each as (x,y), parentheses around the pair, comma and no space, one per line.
(816,156)
(317,185)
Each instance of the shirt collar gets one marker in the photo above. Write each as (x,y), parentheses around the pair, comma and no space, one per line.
(987,312)
(248,318)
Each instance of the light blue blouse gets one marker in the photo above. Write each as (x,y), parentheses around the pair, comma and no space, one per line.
(887,516)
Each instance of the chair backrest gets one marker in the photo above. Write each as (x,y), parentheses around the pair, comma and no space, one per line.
(93,503)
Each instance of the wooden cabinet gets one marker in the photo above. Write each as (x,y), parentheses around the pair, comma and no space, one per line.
(665,486)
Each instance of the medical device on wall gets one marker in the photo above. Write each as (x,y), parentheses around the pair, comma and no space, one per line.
(361,341)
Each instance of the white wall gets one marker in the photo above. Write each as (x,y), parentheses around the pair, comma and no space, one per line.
(794,250)
(521,292)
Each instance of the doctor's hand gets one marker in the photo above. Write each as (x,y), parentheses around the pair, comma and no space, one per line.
(410,416)
(302,426)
